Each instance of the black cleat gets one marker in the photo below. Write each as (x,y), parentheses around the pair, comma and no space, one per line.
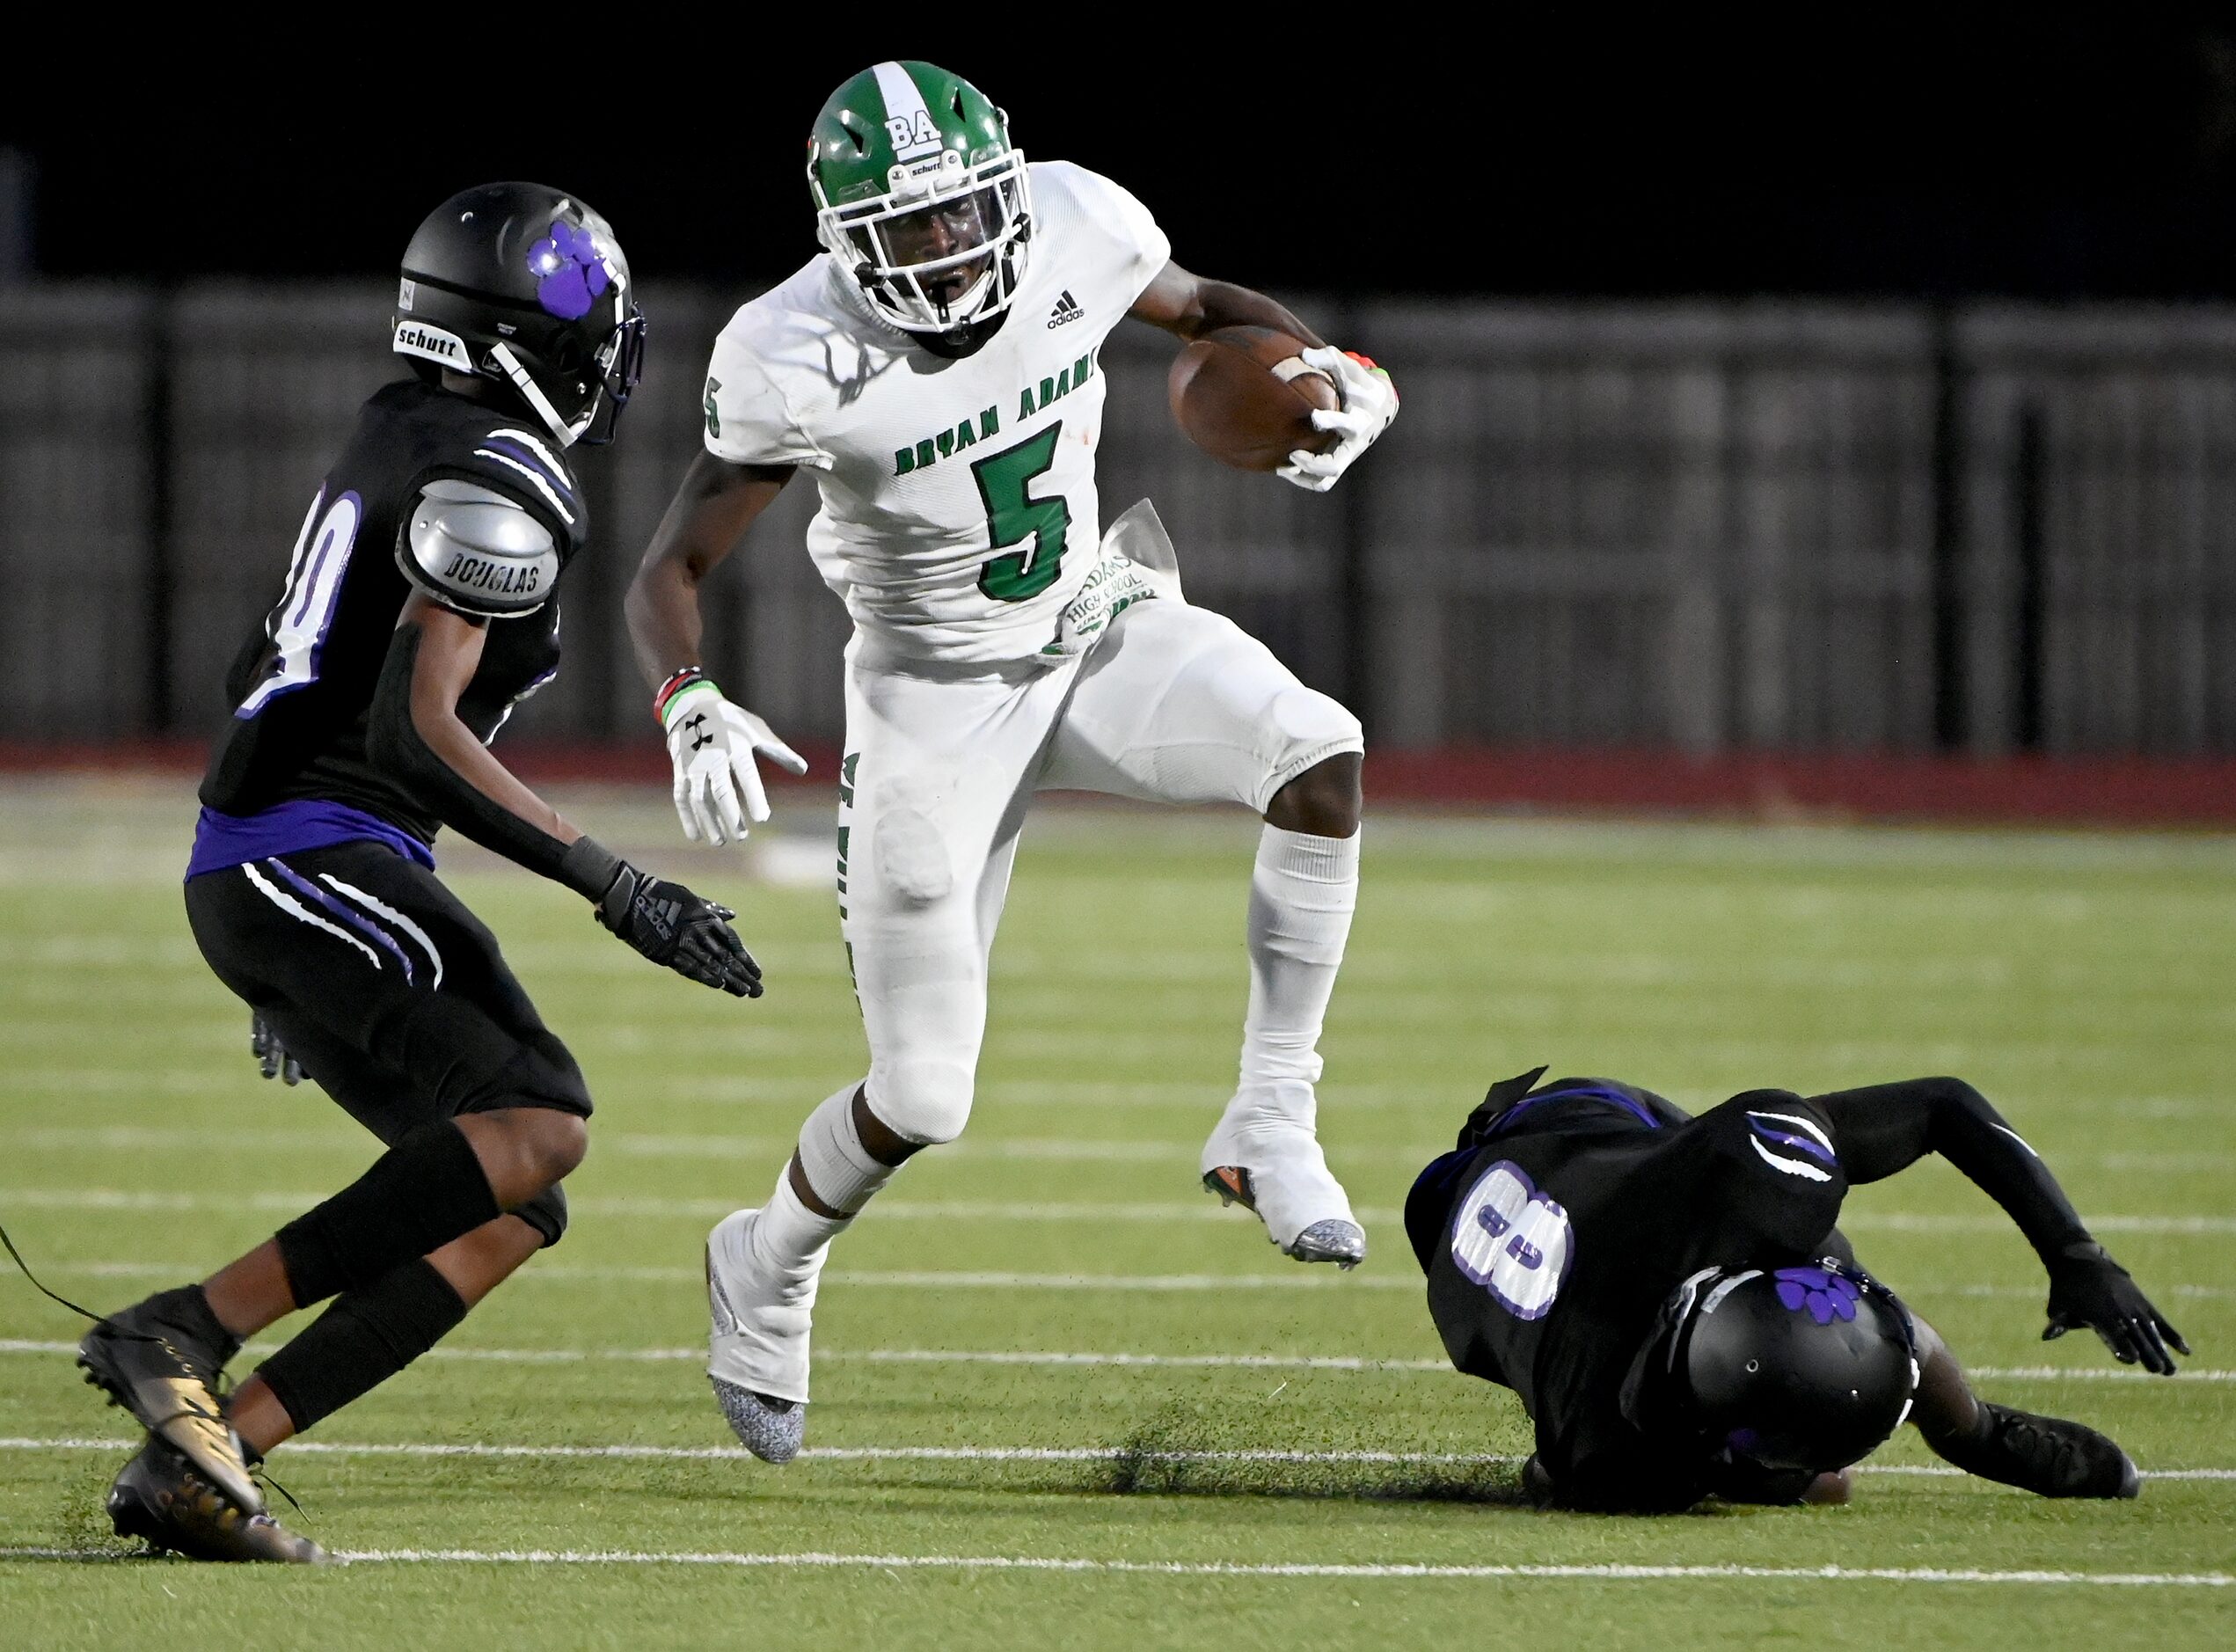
(161,1499)
(2047,1456)
(160,1372)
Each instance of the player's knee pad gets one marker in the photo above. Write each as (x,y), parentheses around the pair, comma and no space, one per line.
(910,858)
(922,1101)
(546,1213)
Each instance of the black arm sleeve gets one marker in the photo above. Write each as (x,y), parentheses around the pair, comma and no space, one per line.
(1885,1128)
(392,742)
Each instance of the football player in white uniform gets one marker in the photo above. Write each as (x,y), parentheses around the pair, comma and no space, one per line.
(937,373)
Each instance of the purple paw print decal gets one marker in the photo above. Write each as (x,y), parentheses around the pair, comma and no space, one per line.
(1826,1297)
(570,274)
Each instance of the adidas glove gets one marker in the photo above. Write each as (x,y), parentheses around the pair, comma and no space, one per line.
(664,921)
(1370,402)
(713,744)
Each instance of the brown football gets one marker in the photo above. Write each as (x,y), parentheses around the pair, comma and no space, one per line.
(1243,395)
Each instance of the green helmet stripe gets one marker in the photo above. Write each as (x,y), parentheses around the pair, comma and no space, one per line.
(908,117)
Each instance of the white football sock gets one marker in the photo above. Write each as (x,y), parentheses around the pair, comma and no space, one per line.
(1302,894)
(790,1240)
(837,1166)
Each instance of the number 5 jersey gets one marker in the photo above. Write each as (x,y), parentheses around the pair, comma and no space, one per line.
(959,512)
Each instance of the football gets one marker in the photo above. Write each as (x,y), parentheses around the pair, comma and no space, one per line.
(1245,396)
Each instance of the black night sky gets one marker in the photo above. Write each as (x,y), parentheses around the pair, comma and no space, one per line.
(1943,153)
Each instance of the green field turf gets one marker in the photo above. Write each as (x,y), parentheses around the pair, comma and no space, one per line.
(1045,1345)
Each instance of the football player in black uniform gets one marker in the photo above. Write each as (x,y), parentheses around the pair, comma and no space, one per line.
(1671,1300)
(418,609)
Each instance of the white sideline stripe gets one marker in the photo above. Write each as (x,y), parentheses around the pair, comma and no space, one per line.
(1208,1568)
(1180,1361)
(1001,1209)
(966,1454)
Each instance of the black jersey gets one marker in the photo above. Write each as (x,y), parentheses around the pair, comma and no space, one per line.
(1552,1235)
(301,684)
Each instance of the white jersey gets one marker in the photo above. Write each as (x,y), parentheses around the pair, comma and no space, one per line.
(959,509)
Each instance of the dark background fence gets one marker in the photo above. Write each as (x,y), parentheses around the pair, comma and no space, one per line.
(1710,527)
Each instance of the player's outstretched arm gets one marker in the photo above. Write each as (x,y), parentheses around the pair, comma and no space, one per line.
(711,741)
(414,733)
(1187,306)
(1881,1128)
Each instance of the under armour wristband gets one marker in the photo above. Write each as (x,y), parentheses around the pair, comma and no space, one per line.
(689,677)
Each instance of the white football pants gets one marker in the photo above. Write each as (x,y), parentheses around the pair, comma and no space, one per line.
(1176,705)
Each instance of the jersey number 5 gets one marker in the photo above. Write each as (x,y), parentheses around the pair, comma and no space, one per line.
(1005,483)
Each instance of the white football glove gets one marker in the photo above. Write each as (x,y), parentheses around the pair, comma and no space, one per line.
(713,744)
(1370,402)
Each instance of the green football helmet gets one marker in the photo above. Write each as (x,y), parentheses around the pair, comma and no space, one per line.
(920,197)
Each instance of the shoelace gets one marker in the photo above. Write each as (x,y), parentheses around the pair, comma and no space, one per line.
(219,1383)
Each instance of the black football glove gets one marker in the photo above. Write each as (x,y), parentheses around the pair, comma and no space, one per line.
(670,926)
(272,1058)
(2088,1288)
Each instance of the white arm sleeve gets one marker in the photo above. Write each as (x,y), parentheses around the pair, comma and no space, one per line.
(474,549)
(748,420)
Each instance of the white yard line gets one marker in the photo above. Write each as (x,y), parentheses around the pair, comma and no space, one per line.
(954,1454)
(1213,1568)
(1300,1279)
(1036,1149)
(1178,1362)
(1018,1210)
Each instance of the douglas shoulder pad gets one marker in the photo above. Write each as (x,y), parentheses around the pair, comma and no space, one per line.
(474,550)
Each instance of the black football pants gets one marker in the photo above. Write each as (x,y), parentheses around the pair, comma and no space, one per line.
(395,998)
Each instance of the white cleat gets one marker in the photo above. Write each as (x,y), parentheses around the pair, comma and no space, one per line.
(757,1348)
(1274,1166)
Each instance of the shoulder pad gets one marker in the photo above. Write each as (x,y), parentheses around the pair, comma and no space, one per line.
(473,549)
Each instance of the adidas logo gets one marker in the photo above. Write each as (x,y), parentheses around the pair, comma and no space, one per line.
(1067,309)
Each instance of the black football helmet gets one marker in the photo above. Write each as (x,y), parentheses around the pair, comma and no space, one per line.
(1794,1368)
(520,283)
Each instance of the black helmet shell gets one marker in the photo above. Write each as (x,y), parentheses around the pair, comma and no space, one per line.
(1793,1367)
(524,284)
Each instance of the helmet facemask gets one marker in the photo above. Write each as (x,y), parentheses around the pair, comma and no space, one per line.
(579,402)
(944,247)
